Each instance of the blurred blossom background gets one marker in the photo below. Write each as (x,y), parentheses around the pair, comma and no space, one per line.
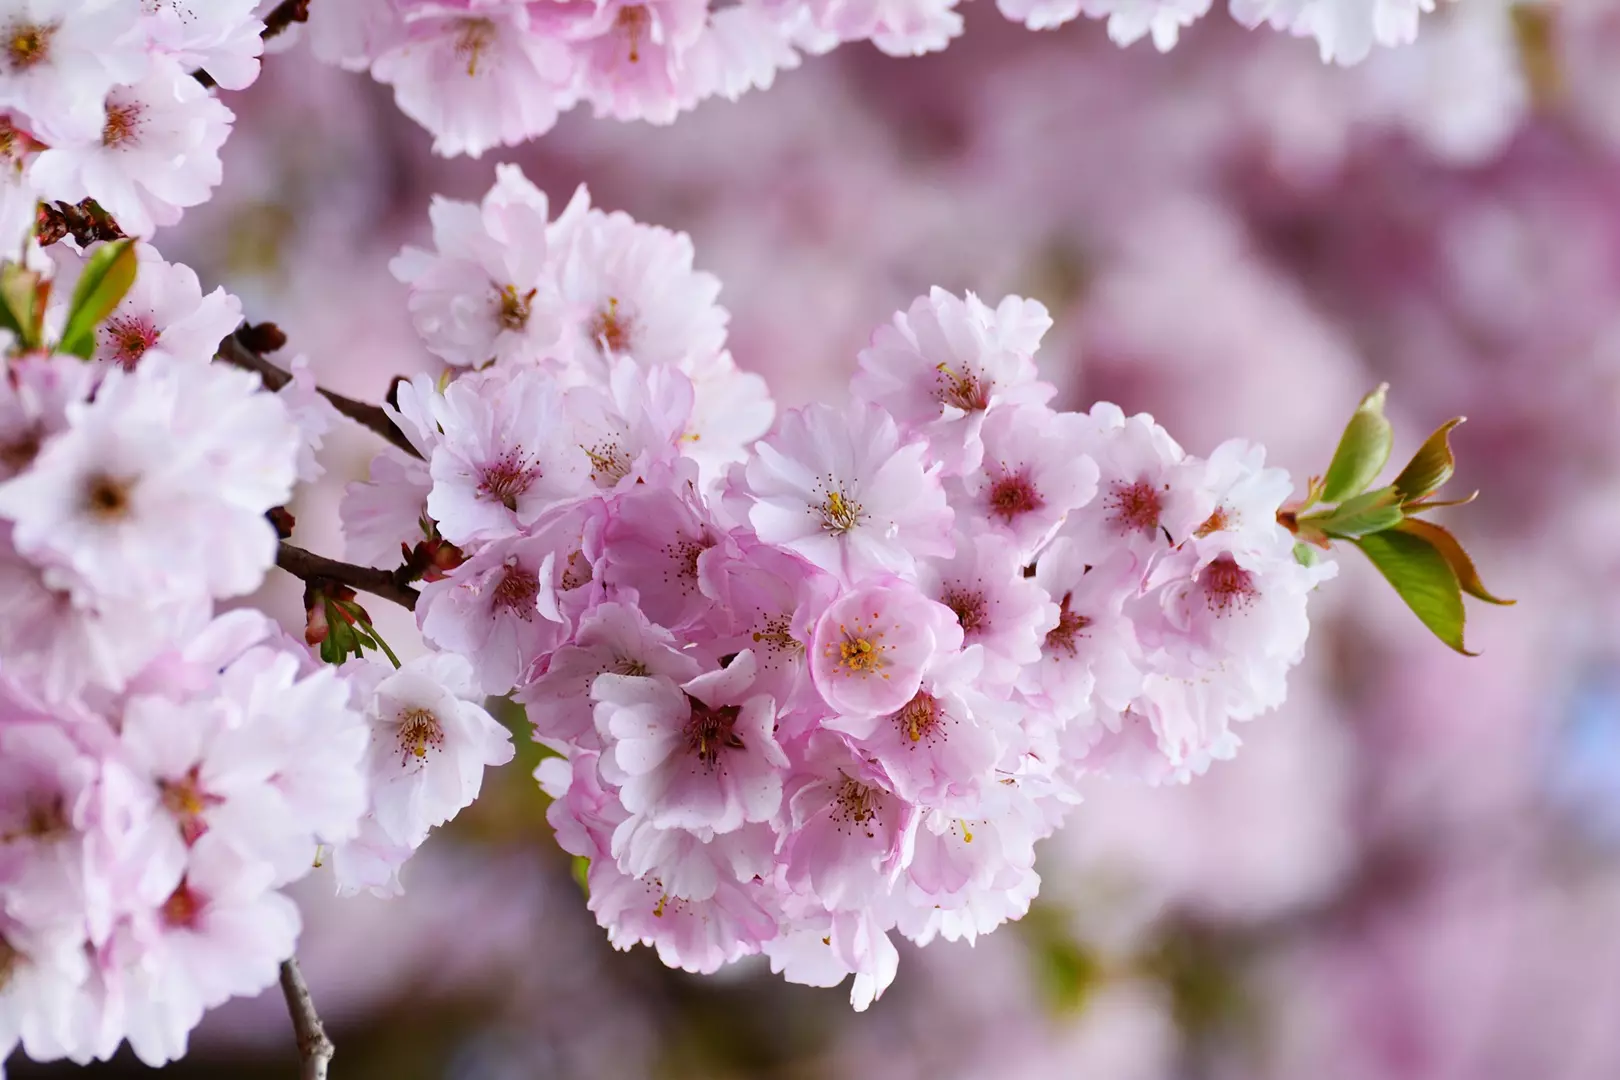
(1411,871)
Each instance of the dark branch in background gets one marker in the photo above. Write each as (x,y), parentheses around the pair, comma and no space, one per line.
(238,350)
(388,584)
(281,16)
(315,1050)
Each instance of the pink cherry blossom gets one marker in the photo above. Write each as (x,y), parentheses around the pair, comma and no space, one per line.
(842,490)
(1035,471)
(474,75)
(940,366)
(698,755)
(872,645)
(485,294)
(430,744)
(613,638)
(505,456)
(996,606)
(157,152)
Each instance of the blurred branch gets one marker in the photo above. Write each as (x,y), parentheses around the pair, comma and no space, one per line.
(233,350)
(307,565)
(284,15)
(315,1050)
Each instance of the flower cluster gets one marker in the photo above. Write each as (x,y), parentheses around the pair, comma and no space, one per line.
(485,73)
(834,683)
(165,771)
(101,100)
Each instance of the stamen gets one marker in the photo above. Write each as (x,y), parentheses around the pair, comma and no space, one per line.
(1070,624)
(419,732)
(187,800)
(514,309)
(516,592)
(839,513)
(507,478)
(1135,507)
(128,338)
(1219,521)
(28,44)
(970,608)
(859,650)
(634,21)
(1013,496)
(856,805)
(609,463)
(608,328)
(183,908)
(475,36)
(778,635)
(920,719)
(709,731)
(1226,584)
(122,124)
(964,391)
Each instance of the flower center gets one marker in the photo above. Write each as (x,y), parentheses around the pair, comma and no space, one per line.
(419,732)
(1135,507)
(633,21)
(685,554)
(186,799)
(1013,496)
(839,513)
(1226,584)
(1070,624)
(624,665)
(859,650)
(474,36)
(122,125)
(920,718)
(709,731)
(1219,521)
(970,609)
(516,592)
(514,309)
(777,634)
(609,463)
(577,571)
(29,44)
(183,908)
(107,497)
(856,804)
(964,391)
(128,339)
(507,477)
(608,328)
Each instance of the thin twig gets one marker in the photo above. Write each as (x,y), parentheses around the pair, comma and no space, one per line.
(315,1050)
(372,417)
(384,583)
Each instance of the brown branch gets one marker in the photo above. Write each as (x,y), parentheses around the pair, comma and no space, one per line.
(315,1050)
(373,417)
(307,565)
(284,15)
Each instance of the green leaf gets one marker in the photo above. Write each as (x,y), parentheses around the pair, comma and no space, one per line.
(1451,549)
(1306,555)
(582,869)
(1431,466)
(1369,512)
(22,301)
(107,277)
(1363,450)
(1423,578)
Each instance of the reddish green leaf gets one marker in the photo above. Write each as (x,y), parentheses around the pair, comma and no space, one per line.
(1452,551)
(1431,466)
(1423,578)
